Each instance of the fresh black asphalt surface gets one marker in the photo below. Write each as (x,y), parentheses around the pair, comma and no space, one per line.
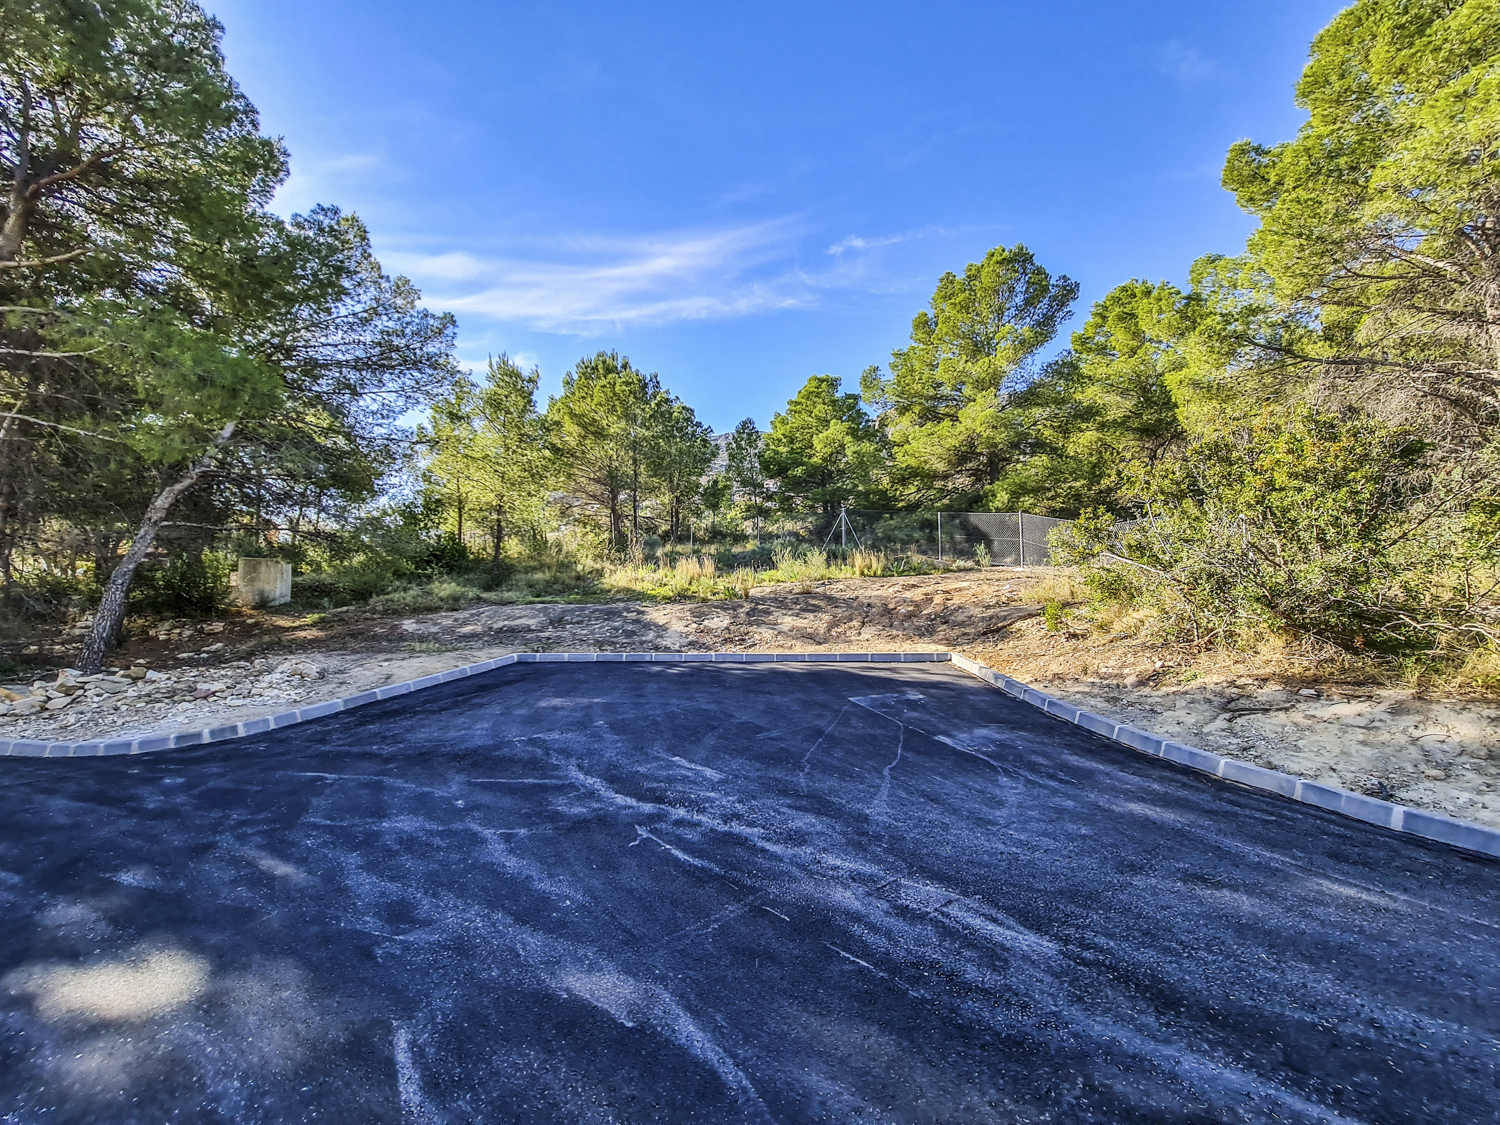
(722,894)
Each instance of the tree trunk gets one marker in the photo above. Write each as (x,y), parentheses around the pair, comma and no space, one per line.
(635,499)
(499,539)
(111,612)
(616,531)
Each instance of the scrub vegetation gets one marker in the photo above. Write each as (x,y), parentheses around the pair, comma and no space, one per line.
(1297,449)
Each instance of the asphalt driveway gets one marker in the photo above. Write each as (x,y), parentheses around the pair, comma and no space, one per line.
(723,893)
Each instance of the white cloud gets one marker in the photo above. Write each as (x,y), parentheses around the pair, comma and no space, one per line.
(855,242)
(323,180)
(583,285)
(1186,64)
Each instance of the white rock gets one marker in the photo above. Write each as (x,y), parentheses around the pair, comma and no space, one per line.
(302,669)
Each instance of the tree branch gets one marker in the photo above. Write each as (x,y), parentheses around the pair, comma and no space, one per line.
(70,174)
(58,426)
(49,355)
(52,261)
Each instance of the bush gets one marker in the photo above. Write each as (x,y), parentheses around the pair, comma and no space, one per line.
(1307,524)
(447,555)
(186,585)
(1053,616)
(351,584)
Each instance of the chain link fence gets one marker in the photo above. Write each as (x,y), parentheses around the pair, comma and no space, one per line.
(994,538)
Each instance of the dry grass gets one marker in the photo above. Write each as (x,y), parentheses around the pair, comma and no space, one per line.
(688,577)
(1060,587)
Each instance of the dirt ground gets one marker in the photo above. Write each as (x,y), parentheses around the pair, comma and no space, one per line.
(1425,751)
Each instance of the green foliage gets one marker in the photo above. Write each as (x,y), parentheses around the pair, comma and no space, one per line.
(631,456)
(945,402)
(822,451)
(1054,615)
(484,456)
(1121,394)
(681,455)
(182,586)
(745,472)
(1377,221)
(1298,523)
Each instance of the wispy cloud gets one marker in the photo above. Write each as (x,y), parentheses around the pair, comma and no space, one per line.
(320,180)
(586,285)
(1185,63)
(856,242)
(583,285)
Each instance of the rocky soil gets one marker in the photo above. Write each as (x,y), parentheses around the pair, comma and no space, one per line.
(1387,741)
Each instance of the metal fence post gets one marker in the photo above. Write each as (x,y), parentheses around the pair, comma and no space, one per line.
(940,538)
(1021,536)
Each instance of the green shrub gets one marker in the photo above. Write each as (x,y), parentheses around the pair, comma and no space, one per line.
(1053,616)
(350,584)
(1302,523)
(185,585)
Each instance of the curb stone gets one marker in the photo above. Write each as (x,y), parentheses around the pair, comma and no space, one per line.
(1398,818)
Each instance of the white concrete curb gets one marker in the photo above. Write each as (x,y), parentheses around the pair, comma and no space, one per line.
(1399,818)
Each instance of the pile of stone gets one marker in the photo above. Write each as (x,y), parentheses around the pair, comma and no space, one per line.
(81,626)
(126,692)
(171,629)
(69,687)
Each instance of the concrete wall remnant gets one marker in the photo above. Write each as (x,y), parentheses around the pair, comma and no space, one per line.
(265,582)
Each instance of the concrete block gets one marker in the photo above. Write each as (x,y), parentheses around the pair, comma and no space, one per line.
(424,682)
(1097,723)
(1035,698)
(151,745)
(219,734)
(1186,755)
(1338,800)
(1065,711)
(187,738)
(1141,740)
(318,710)
(1258,777)
(1460,833)
(255,726)
(117,746)
(265,582)
(611,657)
(361,699)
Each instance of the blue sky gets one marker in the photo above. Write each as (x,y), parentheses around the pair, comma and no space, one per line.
(739,196)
